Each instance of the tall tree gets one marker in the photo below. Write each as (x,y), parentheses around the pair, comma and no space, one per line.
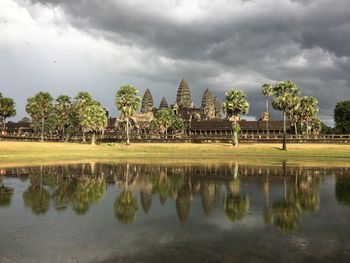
(235,103)
(294,113)
(39,108)
(127,101)
(308,110)
(267,91)
(7,109)
(342,116)
(284,93)
(64,110)
(81,102)
(94,120)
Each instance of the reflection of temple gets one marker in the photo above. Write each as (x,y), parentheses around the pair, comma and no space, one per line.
(78,187)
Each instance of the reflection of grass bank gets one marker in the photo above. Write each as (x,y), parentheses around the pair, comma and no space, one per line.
(36,152)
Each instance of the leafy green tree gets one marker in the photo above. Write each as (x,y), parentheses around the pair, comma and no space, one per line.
(235,103)
(165,119)
(284,93)
(7,109)
(127,102)
(178,124)
(267,91)
(81,102)
(308,111)
(342,116)
(94,120)
(64,110)
(39,108)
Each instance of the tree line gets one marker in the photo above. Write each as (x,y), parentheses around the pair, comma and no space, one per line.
(82,114)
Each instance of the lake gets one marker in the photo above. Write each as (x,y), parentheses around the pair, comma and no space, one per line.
(173,212)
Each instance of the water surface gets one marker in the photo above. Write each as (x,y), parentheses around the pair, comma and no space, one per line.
(105,212)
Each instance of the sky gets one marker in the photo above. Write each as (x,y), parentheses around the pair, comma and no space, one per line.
(65,46)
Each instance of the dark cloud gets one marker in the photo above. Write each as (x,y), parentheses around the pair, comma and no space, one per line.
(228,44)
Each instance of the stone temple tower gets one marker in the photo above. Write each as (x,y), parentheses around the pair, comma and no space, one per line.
(217,107)
(208,105)
(163,104)
(183,98)
(147,102)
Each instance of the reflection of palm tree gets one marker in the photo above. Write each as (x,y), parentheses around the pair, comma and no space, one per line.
(125,207)
(235,206)
(5,194)
(36,196)
(342,190)
(283,214)
(89,191)
(301,197)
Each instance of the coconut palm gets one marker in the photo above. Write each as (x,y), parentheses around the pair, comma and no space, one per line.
(284,93)
(267,91)
(235,103)
(127,102)
(94,120)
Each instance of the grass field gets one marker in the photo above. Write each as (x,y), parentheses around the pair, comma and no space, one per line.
(38,152)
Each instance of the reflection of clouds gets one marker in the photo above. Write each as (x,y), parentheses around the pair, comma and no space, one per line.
(252,220)
(299,242)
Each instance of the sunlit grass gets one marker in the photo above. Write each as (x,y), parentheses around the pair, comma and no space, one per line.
(11,152)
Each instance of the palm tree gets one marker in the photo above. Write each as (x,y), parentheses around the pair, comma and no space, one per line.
(94,120)
(294,113)
(235,103)
(284,93)
(127,102)
(7,109)
(63,108)
(81,102)
(125,206)
(267,91)
(309,110)
(39,108)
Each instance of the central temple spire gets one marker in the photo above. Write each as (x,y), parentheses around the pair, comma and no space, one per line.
(183,98)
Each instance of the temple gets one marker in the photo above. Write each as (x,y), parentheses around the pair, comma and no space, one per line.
(203,121)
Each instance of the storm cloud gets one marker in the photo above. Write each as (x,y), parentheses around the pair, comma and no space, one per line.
(64,46)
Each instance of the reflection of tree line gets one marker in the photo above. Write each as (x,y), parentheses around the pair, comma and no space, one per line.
(81,186)
(301,196)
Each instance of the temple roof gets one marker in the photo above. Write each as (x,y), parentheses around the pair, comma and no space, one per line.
(147,101)
(183,98)
(163,104)
(207,99)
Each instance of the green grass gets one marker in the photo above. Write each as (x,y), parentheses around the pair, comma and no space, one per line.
(37,152)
